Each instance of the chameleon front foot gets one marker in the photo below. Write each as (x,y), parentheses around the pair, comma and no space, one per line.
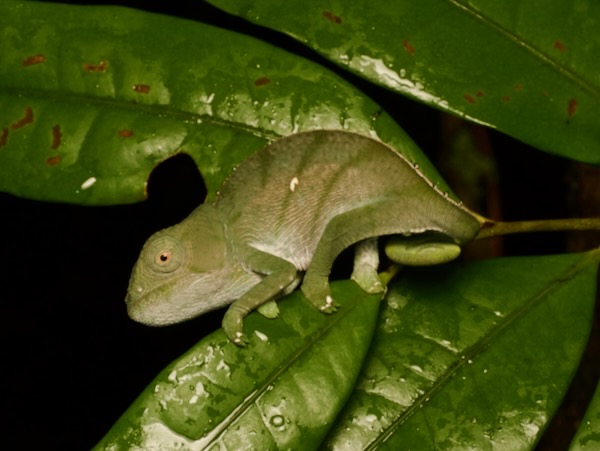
(233,326)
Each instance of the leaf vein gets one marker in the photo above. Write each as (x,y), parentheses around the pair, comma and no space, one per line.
(516,39)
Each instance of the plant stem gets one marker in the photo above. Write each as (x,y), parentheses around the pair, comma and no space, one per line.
(386,276)
(492,228)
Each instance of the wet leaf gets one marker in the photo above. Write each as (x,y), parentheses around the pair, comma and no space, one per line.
(588,435)
(93,98)
(526,68)
(283,391)
(472,357)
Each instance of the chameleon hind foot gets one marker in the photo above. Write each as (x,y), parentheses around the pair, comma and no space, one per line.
(366,262)
(316,290)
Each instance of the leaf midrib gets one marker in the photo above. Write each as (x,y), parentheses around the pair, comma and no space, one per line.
(159,110)
(471,353)
(517,40)
(213,437)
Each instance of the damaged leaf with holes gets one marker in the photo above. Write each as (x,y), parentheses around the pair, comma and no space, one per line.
(91,103)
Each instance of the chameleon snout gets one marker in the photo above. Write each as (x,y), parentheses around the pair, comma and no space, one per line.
(134,293)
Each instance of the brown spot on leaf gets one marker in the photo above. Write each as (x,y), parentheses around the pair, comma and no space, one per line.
(53,161)
(518,87)
(479,93)
(125,133)
(561,47)
(469,98)
(572,108)
(506,99)
(3,137)
(56,137)
(34,59)
(545,93)
(26,119)
(332,17)
(262,81)
(101,67)
(408,47)
(142,89)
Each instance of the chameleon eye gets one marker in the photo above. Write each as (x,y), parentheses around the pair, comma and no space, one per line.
(166,254)
(163,257)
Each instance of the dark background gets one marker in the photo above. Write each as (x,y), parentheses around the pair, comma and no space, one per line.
(74,361)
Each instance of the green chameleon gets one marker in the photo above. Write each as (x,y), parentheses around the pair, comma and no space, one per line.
(282,218)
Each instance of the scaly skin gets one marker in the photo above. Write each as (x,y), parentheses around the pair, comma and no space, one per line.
(290,209)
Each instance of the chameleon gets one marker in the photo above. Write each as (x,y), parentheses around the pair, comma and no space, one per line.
(281,219)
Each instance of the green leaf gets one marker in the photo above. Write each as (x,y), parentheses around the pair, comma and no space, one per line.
(528,68)
(93,98)
(283,391)
(472,357)
(588,434)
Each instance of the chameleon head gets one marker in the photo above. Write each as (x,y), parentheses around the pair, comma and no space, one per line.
(177,274)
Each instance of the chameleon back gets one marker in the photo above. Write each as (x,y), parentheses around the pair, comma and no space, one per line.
(283,197)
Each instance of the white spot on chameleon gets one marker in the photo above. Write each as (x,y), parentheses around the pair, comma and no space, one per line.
(294,184)
(88,183)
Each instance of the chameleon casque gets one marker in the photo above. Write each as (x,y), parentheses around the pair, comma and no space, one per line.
(283,217)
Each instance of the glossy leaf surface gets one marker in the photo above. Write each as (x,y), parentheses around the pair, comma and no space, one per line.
(283,391)
(528,68)
(588,434)
(472,357)
(93,98)
(461,358)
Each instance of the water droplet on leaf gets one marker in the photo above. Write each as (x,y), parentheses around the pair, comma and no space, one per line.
(277,421)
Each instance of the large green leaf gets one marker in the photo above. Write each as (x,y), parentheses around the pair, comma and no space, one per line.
(465,357)
(473,357)
(528,68)
(93,98)
(281,392)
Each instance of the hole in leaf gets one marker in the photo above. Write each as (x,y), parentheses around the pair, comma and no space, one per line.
(175,188)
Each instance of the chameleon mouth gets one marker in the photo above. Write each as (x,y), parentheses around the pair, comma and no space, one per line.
(133,294)
(156,306)
(143,314)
